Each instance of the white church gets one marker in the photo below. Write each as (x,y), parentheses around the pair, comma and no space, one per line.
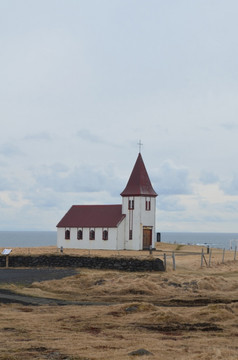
(129,226)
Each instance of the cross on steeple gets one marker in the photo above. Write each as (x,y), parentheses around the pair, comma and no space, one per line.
(140,145)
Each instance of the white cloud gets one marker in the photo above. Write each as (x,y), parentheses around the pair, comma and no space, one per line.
(41,136)
(171,180)
(230,186)
(7,184)
(10,150)
(44,199)
(208,177)
(170,203)
(13,199)
(84,178)
(229,125)
(88,135)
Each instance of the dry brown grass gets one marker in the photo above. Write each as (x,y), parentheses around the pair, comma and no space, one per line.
(136,318)
(71,332)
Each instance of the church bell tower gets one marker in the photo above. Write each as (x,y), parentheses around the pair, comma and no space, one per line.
(139,206)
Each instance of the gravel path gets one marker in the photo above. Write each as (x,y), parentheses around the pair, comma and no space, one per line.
(9,297)
(28,276)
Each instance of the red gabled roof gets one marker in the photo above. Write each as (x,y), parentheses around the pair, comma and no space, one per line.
(92,216)
(139,182)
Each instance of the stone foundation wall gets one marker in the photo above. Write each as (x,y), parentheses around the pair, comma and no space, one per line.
(91,262)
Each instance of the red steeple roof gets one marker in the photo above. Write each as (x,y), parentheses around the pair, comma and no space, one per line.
(139,182)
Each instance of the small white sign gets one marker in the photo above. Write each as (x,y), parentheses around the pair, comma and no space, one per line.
(6,251)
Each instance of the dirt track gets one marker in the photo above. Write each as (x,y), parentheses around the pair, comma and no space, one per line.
(28,276)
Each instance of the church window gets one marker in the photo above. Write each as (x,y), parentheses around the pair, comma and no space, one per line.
(105,235)
(147,205)
(131,204)
(80,235)
(130,234)
(92,235)
(67,235)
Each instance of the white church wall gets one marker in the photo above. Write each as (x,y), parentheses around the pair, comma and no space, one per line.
(86,243)
(120,235)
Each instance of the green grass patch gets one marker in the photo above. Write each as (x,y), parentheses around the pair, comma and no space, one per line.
(179,247)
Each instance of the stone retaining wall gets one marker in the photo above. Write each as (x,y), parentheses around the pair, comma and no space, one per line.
(91,262)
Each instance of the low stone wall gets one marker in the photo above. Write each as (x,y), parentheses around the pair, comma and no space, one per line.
(91,262)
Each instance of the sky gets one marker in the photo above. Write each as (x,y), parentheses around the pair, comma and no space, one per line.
(82,81)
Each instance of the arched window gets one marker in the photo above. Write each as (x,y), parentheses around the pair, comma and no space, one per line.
(130,234)
(92,235)
(131,204)
(105,235)
(147,205)
(67,235)
(80,235)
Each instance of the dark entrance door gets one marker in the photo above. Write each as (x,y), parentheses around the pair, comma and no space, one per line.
(147,238)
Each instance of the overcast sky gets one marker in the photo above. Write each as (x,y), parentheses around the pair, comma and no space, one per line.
(81,81)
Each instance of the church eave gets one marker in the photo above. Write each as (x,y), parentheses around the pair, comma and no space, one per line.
(145,194)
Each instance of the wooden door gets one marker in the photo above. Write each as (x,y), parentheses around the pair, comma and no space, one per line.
(147,238)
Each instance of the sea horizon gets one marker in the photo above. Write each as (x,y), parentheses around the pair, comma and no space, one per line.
(35,238)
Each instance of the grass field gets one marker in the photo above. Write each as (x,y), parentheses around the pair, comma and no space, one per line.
(190,313)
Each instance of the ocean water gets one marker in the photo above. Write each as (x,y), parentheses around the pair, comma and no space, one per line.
(10,239)
(213,240)
(27,238)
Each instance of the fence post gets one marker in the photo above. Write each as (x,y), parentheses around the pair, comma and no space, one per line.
(174,264)
(223,256)
(202,258)
(164,261)
(210,256)
(235,253)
